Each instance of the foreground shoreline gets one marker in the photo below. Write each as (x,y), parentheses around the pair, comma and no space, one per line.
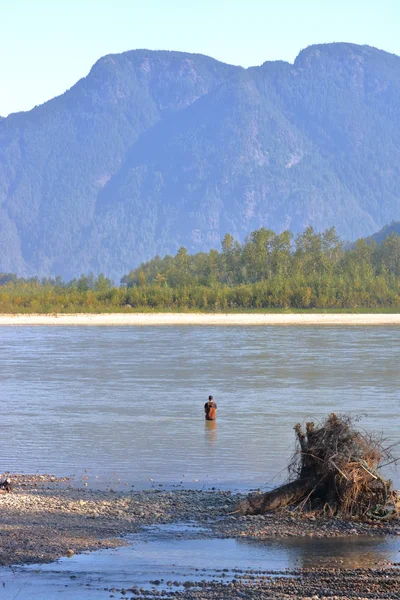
(46,518)
(202,319)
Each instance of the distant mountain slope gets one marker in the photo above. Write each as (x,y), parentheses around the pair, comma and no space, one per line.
(55,159)
(154,150)
(380,236)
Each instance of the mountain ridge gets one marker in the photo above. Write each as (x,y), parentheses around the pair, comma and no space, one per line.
(157,149)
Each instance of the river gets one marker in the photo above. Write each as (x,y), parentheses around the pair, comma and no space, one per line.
(124,405)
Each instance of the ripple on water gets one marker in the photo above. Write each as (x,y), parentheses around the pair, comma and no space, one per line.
(130,401)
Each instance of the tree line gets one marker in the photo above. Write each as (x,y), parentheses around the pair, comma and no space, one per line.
(266,271)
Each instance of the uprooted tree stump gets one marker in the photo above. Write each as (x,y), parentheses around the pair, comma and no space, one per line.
(333,471)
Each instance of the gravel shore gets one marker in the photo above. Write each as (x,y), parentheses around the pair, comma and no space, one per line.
(45,518)
(318,584)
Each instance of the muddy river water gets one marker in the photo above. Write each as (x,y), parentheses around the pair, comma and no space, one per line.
(126,403)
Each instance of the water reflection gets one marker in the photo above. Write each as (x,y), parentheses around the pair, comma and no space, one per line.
(196,559)
(350,552)
(210,428)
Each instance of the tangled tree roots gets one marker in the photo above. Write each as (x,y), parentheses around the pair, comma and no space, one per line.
(334,470)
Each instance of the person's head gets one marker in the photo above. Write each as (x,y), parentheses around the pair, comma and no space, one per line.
(210,398)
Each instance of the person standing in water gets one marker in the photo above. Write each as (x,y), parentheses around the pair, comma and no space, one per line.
(210,409)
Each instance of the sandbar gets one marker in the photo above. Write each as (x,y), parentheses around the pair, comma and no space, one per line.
(199,319)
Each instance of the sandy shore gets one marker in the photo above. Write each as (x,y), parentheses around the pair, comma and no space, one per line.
(235,319)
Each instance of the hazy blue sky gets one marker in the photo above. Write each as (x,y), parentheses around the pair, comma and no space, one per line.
(47,45)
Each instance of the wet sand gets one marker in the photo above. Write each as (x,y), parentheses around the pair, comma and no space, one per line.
(46,518)
(231,319)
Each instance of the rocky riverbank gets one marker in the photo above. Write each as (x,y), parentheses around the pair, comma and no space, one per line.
(316,584)
(46,518)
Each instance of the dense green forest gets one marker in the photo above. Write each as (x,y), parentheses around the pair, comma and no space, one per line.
(268,271)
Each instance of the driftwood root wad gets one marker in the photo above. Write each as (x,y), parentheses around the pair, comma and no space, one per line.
(334,471)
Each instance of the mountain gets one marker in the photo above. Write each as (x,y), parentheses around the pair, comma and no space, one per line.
(386,231)
(154,150)
(55,159)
